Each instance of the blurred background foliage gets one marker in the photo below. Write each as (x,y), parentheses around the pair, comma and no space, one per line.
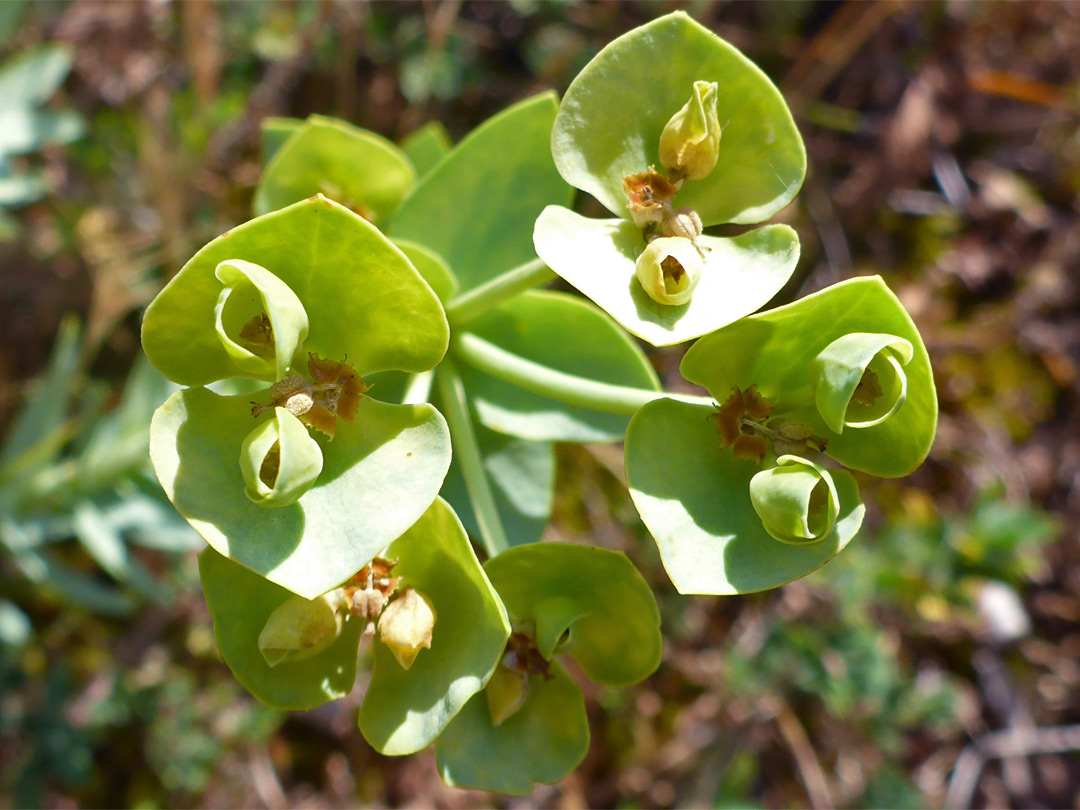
(935,662)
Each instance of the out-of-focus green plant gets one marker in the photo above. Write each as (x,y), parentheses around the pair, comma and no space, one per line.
(72,468)
(27,81)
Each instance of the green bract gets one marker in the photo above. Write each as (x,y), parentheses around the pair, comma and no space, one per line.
(627,113)
(823,341)
(404,710)
(352,166)
(378,477)
(613,114)
(599,257)
(426,146)
(221,461)
(696,501)
(586,602)
(363,298)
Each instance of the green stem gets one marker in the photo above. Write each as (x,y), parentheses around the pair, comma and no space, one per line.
(502,288)
(467,454)
(418,388)
(568,388)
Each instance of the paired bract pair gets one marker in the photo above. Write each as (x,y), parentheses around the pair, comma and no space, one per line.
(744,495)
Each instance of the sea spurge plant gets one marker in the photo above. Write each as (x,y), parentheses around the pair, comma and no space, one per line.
(345,474)
(294,653)
(668,166)
(530,725)
(317,491)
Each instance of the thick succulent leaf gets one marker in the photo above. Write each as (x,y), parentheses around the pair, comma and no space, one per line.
(426,146)
(405,710)
(352,166)
(775,350)
(598,257)
(477,206)
(240,602)
(695,500)
(542,742)
(522,477)
(379,476)
(363,298)
(594,593)
(610,121)
(430,265)
(567,334)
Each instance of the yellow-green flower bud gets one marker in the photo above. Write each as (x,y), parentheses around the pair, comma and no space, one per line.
(669,269)
(301,628)
(506,693)
(406,625)
(796,500)
(690,143)
(279,460)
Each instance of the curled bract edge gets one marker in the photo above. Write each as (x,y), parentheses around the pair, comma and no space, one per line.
(859,379)
(669,269)
(796,500)
(258,319)
(279,461)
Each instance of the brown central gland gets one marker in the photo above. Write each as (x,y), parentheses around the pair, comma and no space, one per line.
(672,269)
(868,389)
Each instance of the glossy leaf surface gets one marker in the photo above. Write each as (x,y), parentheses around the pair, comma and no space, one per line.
(275,130)
(426,146)
(379,476)
(405,710)
(695,500)
(598,256)
(352,166)
(567,334)
(363,297)
(776,349)
(542,742)
(240,602)
(476,208)
(594,593)
(431,267)
(610,121)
